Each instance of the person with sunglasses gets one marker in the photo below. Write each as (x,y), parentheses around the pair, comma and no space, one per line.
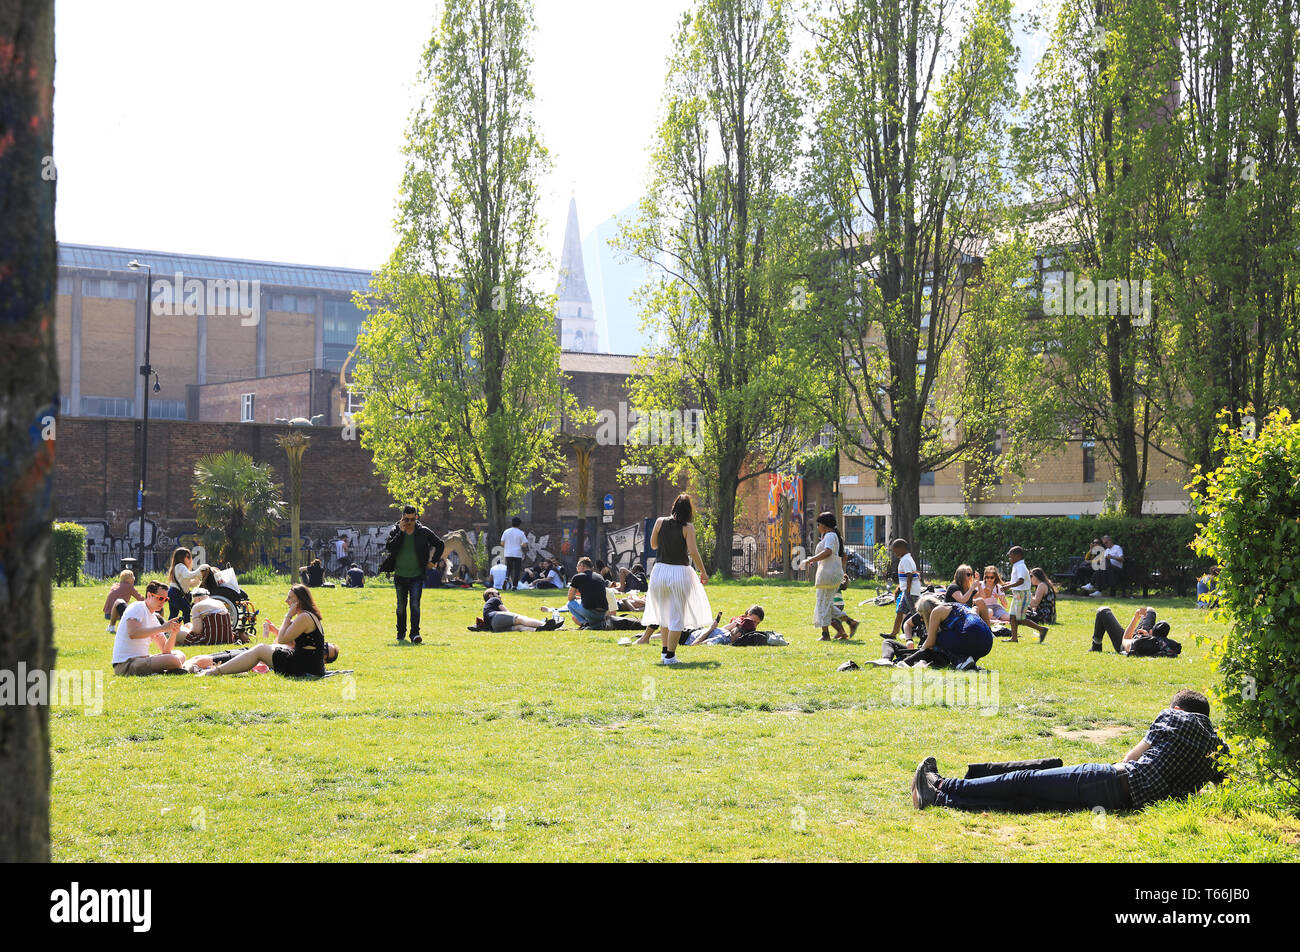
(411,548)
(139,626)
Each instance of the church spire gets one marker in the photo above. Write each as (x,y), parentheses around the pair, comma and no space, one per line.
(575,322)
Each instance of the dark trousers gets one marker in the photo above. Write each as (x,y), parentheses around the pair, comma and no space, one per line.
(179,603)
(513,567)
(408,589)
(1107,624)
(1085,786)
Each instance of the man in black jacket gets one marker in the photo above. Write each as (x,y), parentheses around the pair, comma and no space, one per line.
(412,547)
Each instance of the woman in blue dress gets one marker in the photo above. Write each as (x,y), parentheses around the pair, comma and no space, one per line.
(954,629)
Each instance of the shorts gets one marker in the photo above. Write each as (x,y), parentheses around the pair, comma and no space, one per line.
(1020,604)
(134,667)
(502,621)
(904,602)
(292,663)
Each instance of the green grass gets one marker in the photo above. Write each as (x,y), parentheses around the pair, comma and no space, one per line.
(562,745)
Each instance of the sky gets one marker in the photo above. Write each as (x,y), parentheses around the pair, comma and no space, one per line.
(272,130)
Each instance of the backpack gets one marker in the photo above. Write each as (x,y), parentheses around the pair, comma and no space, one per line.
(1155,646)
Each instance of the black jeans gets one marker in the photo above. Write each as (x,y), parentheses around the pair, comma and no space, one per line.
(179,603)
(408,589)
(513,567)
(1061,788)
(1107,624)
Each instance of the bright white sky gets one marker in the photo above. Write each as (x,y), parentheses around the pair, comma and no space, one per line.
(272,129)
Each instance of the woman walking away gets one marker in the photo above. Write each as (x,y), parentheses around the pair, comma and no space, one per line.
(300,648)
(183,578)
(676,598)
(830,572)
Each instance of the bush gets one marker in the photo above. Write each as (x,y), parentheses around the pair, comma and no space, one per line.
(1251,511)
(69,552)
(1153,543)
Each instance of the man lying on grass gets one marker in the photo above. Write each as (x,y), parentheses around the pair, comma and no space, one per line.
(1178,756)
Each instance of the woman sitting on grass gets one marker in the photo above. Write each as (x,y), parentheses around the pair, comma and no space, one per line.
(954,629)
(991,594)
(1042,605)
(299,649)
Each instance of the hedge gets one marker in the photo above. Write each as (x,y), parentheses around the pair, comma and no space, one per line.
(1153,543)
(69,552)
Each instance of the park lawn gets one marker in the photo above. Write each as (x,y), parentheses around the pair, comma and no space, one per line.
(562,745)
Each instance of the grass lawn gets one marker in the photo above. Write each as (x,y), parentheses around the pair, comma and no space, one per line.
(562,745)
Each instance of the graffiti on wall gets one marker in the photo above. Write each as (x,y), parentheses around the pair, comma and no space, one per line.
(625,546)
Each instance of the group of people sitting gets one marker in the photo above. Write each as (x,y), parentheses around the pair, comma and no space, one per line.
(298,649)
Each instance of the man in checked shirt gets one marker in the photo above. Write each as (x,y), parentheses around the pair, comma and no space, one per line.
(1178,756)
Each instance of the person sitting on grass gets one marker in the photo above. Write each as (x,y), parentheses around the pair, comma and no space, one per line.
(496,618)
(312,574)
(139,627)
(588,601)
(965,591)
(990,592)
(732,630)
(1207,595)
(356,576)
(909,585)
(115,616)
(954,629)
(299,650)
(1021,592)
(632,579)
(124,590)
(1179,755)
(1042,606)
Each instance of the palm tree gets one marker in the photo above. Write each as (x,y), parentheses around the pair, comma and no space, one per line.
(294,444)
(237,504)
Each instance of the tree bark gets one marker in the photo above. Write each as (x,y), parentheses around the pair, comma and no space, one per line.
(28,278)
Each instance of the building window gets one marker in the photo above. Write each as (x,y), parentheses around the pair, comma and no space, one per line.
(107,407)
(65,286)
(853,530)
(927,478)
(1089,460)
(167,409)
(106,288)
(246,407)
(340,328)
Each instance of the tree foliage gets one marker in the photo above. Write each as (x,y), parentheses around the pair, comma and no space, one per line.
(237,504)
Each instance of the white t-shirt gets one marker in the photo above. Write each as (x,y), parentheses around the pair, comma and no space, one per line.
(498,574)
(186,579)
(513,540)
(1111,554)
(124,647)
(908,564)
(832,542)
(554,577)
(1019,578)
(340,548)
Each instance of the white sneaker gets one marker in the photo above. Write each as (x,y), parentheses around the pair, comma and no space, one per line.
(664,659)
(967,664)
(1097,595)
(1086,588)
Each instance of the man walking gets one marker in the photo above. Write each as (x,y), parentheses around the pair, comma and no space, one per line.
(513,543)
(411,548)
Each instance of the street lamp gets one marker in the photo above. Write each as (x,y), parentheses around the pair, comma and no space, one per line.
(146,371)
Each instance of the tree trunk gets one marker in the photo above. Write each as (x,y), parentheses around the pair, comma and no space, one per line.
(905,506)
(724,523)
(30,382)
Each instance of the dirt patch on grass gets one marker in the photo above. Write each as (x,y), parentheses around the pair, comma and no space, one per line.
(1096,734)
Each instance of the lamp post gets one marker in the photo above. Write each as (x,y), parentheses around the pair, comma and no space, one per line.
(146,371)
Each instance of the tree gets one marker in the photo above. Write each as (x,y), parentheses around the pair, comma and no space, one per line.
(1233,235)
(1095,151)
(720,227)
(915,310)
(294,445)
(459,361)
(30,387)
(237,506)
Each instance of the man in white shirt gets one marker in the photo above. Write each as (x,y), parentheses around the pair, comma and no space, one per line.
(1114,567)
(139,626)
(513,543)
(498,575)
(1020,588)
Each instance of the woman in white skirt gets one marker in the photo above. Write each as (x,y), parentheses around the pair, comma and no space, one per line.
(675,599)
(830,572)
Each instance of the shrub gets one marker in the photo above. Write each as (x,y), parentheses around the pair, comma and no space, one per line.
(1153,543)
(69,552)
(1251,526)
